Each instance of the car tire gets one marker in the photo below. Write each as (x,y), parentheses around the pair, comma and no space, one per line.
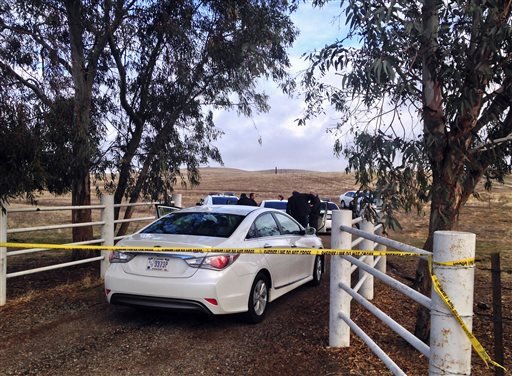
(342,204)
(318,271)
(258,299)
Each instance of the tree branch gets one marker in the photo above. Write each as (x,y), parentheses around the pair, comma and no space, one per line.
(43,43)
(502,100)
(506,129)
(492,144)
(37,90)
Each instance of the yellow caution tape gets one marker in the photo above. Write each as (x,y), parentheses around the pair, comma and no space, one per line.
(462,262)
(444,297)
(268,251)
(293,251)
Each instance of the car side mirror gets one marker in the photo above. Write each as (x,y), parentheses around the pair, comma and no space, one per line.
(310,231)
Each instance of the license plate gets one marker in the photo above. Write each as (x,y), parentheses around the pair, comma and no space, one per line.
(158,263)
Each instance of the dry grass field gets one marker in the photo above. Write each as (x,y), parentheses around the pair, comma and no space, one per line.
(490,218)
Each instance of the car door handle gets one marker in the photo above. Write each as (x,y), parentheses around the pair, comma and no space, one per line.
(267,245)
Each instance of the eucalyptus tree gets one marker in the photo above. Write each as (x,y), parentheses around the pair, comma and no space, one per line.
(447,63)
(130,87)
(176,63)
(56,50)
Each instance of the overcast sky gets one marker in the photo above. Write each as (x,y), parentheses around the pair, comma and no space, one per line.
(284,144)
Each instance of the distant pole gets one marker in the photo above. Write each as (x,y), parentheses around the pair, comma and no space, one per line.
(497,314)
(276,170)
(3,254)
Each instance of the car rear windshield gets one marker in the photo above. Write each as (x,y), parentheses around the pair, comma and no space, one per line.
(224,200)
(281,205)
(219,225)
(332,206)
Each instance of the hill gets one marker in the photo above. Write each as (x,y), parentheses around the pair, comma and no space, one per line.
(267,184)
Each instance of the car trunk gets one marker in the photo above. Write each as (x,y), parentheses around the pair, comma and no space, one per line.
(165,264)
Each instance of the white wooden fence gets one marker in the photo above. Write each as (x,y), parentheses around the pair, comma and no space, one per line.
(450,349)
(107,238)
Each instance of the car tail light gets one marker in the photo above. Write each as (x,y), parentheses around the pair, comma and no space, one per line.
(215,262)
(120,257)
(219,262)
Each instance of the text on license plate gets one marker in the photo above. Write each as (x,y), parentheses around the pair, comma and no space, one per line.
(157,263)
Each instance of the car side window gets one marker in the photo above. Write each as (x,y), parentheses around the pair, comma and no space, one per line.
(288,225)
(263,226)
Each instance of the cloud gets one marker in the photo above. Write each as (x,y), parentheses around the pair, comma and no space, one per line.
(283,143)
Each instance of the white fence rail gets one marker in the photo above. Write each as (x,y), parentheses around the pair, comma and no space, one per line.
(450,349)
(107,237)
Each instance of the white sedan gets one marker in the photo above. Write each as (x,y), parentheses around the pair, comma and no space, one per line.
(275,204)
(216,282)
(346,199)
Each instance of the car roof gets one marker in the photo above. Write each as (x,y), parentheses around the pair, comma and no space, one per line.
(274,201)
(228,209)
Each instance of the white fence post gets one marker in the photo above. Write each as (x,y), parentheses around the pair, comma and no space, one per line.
(3,255)
(381,265)
(366,289)
(107,230)
(450,348)
(176,197)
(339,331)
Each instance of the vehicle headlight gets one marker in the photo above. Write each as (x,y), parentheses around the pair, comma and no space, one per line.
(215,262)
(120,257)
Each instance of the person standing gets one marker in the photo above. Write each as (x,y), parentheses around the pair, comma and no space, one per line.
(298,207)
(252,197)
(314,215)
(244,200)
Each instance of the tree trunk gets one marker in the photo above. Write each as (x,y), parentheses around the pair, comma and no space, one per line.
(435,139)
(448,196)
(83,77)
(81,195)
(81,191)
(134,195)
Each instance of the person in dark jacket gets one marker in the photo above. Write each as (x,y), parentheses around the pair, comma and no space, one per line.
(314,215)
(252,197)
(244,200)
(298,207)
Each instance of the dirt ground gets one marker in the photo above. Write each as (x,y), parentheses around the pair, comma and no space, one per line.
(58,323)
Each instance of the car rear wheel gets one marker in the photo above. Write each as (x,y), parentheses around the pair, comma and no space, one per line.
(342,204)
(318,271)
(258,299)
